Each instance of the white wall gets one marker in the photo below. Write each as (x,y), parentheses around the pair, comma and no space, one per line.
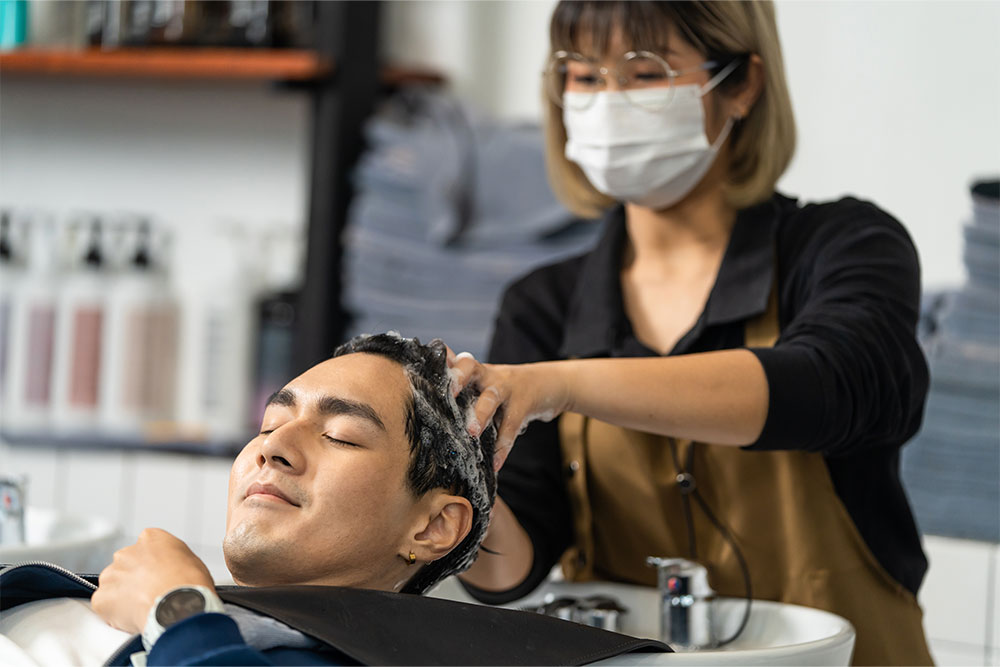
(190,153)
(898,102)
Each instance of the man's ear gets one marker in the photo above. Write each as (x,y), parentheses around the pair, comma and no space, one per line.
(447,522)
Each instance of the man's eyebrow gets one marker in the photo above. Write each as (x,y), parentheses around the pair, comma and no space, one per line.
(282,397)
(333,406)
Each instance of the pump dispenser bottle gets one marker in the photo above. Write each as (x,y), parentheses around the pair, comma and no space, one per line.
(139,355)
(217,352)
(11,279)
(28,381)
(80,326)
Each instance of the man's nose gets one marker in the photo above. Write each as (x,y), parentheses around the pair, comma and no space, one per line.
(281,448)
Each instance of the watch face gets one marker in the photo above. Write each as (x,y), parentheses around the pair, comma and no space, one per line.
(178,605)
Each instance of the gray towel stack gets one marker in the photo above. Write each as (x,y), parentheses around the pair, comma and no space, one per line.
(952,467)
(449,207)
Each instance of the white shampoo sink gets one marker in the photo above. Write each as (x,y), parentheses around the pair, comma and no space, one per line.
(78,543)
(776,633)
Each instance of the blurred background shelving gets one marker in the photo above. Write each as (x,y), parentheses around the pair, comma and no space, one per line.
(195,63)
(340,73)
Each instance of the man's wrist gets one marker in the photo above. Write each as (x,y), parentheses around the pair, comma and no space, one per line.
(174,606)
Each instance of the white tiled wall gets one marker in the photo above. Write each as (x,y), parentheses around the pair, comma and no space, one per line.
(961,601)
(183,494)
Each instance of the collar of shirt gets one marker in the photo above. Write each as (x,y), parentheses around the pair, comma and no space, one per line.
(597,325)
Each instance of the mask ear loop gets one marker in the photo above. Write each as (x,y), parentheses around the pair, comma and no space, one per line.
(717,79)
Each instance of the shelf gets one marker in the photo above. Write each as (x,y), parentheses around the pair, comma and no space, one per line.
(192,63)
(217,448)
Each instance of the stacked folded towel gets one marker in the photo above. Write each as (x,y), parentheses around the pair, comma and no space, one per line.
(449,207)
(952,467)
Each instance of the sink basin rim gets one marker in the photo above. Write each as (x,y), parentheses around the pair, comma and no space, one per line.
(97,529)
(846,631)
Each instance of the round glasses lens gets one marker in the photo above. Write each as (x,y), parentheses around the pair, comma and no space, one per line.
(648,81)
(570,73)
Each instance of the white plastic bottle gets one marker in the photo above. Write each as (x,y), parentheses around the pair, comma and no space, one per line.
(11,278)
(28,390)
(139,354)
(79,333)
(217,336)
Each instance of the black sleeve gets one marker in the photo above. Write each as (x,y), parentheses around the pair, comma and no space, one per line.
(529,328)
(847,372)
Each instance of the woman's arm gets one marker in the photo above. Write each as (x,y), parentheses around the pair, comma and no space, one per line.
(846,374)
(719,397)
(508,555)
(531,526)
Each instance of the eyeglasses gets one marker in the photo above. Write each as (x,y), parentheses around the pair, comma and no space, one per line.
(569,72)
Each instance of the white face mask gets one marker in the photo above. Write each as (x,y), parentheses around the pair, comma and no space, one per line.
(650,158)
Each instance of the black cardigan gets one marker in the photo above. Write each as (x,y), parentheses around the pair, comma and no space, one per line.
(847,377)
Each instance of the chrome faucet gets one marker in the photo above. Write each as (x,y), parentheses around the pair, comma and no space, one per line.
(686,604)
(12,502)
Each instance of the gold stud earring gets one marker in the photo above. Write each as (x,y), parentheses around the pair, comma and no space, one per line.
(412,559)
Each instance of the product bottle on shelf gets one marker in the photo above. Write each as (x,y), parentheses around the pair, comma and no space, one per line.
(139,351)
(217,336)
(28,380)
(276,312)
(11,276)
(79,332)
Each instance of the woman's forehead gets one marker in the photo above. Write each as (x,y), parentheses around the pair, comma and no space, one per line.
(597,34)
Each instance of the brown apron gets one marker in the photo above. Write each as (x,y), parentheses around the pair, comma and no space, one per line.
(781,507)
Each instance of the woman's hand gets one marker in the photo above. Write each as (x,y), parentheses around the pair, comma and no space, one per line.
(516,394)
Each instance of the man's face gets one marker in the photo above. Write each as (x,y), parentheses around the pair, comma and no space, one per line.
(320,496)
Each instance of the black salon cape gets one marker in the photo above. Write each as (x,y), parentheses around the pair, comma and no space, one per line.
(356,626)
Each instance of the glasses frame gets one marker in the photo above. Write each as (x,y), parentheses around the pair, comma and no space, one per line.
(549,75)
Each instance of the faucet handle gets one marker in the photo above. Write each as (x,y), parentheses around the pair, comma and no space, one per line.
(680,576)
(686,603)
(12,504)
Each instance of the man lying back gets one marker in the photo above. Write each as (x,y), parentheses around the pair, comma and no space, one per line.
(363,476)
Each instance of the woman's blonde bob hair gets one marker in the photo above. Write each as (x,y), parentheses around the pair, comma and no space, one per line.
(761,145)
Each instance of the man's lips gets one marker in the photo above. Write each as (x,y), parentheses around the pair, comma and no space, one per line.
(269,490)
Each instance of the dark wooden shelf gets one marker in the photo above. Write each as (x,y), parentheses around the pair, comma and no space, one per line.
(192,63)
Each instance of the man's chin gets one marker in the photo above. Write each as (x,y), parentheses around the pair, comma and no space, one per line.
(255,558)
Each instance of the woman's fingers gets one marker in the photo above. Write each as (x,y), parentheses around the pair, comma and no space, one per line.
(464,369)
(487,404)
(510,428)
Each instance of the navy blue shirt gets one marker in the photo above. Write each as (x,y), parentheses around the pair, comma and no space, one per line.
(847,377)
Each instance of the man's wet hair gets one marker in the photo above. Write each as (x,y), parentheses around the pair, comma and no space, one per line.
(442,453)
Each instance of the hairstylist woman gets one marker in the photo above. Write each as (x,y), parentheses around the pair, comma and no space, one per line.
(724,351)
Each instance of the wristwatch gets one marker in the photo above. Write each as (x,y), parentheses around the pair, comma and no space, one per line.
(176,605)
